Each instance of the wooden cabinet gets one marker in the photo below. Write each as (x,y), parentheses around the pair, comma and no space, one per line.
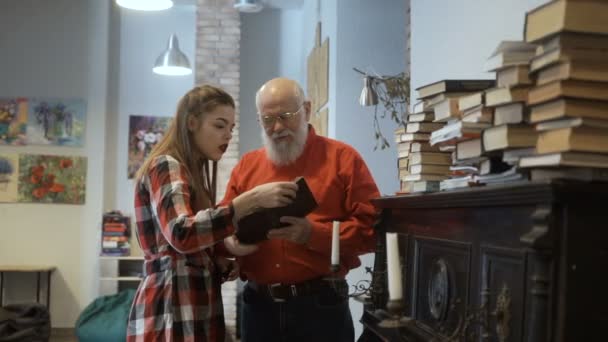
(119,273)
(524,262)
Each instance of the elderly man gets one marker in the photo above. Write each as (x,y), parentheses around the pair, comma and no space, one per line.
(289,296)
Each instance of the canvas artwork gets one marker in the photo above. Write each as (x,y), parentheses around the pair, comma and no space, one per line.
(13,121)
(9,176)
(52,179)
(56,122)
(144,133)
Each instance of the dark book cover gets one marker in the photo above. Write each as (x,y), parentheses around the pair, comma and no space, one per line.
(254,227)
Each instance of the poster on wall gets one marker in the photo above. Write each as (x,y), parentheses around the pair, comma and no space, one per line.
(13,121)
(56,122)
(144,133)
(9,176)
(52,179)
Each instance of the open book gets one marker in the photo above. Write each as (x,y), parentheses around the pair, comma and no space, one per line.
(254,227)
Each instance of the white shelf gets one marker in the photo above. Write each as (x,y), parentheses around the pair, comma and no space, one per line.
(119,272)
(108,257)
(121,278)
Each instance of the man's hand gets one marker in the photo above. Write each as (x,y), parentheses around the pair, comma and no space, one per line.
(236,248)
(298,230)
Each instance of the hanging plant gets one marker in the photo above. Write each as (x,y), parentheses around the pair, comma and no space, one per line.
(392,95)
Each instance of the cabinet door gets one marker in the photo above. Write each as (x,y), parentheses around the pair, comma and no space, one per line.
(440,292)
(502,284)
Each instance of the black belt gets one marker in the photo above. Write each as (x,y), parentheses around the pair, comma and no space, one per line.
(282,292)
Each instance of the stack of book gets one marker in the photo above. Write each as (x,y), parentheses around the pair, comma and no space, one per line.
(412,145)
(568,102)
(544,117)
(427,164)
(115,233)
(510,135)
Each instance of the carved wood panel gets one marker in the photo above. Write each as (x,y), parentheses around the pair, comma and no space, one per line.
(441,278)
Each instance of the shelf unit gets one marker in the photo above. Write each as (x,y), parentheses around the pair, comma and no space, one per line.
(120,272)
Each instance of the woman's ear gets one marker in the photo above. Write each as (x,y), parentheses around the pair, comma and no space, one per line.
(192,122)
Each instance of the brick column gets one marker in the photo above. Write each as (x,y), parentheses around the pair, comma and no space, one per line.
(217,62)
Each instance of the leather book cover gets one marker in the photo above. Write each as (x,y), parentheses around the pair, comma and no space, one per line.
(254,227)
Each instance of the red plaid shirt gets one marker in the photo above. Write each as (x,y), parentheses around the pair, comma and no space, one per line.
(179,299)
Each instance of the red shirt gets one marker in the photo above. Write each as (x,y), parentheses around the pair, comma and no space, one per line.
(342,186)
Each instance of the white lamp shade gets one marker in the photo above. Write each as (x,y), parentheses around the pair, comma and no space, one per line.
(146,5)
(368,95)
(172,62)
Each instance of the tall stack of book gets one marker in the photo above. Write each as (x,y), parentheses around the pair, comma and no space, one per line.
(115,233)
(510,134)
(428,164)
(569,100)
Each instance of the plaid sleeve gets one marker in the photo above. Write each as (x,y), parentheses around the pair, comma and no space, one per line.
(183,229)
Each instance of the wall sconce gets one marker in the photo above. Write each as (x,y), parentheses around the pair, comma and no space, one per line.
(368,94)
(145,5)
(172,62)
(392,93)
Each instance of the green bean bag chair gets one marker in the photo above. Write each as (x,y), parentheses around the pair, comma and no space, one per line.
(105,319)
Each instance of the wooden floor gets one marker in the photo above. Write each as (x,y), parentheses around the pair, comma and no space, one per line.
(63,335)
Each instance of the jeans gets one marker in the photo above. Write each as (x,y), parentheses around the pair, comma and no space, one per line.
(314,318)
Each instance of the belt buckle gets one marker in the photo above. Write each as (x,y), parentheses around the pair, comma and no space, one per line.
(274,298)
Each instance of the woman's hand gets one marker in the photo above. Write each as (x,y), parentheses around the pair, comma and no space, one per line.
(276,194)
(229,268)
(236,248)
(269,195)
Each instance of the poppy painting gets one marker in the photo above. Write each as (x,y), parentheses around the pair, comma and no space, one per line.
(56,122)
(52,179)
(144,133)
(13,121)
(9,173)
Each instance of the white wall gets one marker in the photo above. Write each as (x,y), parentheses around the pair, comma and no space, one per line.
(370,36)
(452,39)
(139,91)
(73,48)
(261,60)
(56,49)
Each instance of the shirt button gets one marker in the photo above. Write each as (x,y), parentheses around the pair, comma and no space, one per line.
(277,265)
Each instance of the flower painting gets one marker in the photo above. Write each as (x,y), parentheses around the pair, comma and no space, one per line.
(144,133)
(52,179)
(9,173)
(56,122)
(13,121)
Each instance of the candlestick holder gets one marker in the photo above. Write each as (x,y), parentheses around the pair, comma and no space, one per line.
(394,315)
(334,269)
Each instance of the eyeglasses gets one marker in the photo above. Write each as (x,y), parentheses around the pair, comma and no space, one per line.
(269,120)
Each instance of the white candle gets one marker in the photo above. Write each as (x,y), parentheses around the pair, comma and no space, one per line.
(335,244)
(395,289)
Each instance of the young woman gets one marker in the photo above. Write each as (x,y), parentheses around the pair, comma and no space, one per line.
(178,224)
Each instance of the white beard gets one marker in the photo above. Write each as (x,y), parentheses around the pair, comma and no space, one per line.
(286,152)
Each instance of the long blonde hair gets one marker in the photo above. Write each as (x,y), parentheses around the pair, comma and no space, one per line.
(178,142)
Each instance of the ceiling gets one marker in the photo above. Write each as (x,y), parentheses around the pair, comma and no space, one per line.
(278,4)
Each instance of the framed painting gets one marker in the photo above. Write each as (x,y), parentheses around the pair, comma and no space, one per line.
(13,121)
(52,179)
(56,122)
(144,133)
(9,176)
